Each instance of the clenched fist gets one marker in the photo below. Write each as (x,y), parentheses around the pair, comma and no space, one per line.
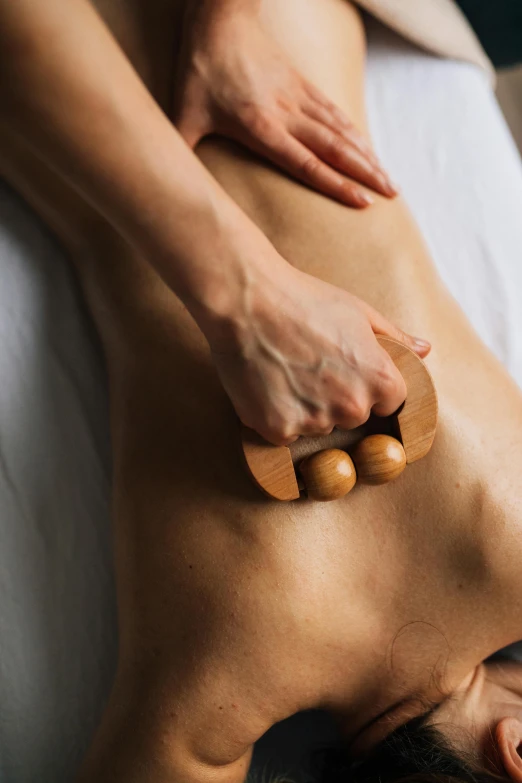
(303,358)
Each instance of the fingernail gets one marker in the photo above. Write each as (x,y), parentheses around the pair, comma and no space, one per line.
(421,343)
(387,185)
(366,199)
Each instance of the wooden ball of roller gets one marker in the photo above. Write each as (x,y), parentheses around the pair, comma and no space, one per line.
(379,459)
(328,474)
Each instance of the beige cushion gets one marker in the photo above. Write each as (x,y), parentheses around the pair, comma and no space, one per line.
(436,25)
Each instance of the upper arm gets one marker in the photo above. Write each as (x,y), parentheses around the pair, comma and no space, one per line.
(167,732)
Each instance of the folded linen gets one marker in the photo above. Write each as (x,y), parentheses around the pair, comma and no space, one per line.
(438,26)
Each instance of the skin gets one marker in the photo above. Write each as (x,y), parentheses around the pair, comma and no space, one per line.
(234,611)
(119,151)
(262,101)
(483,718)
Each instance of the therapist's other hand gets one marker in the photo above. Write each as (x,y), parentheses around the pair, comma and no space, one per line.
(235,81)
(302,358)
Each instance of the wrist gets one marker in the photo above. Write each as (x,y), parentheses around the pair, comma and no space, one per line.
(204,18)
(236,270)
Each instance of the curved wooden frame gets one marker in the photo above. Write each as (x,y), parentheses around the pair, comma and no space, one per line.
(272,468)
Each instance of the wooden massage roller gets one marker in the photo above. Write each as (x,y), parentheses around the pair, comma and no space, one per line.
(327,467)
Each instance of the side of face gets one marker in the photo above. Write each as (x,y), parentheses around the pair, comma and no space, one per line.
(483,718)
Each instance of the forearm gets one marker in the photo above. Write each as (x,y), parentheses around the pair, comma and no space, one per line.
(112,142)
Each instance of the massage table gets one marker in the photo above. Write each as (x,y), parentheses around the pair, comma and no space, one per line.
(441,134)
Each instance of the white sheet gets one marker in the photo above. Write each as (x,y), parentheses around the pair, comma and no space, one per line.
(441,134)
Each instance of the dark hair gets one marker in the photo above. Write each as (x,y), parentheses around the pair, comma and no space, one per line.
(415,753)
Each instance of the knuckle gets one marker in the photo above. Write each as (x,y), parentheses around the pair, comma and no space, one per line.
(389,380)
(357,411)
(360,412)
(272,427)
(281,434)
(310,167)
(336,146)
(286,434)
(258,121)
(273,437)
(320,423)
(330,105)
(285,103)
(351,192)
(390,390)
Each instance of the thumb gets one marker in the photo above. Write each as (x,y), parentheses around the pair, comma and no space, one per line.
(191,127)
(381,325)
(191,115)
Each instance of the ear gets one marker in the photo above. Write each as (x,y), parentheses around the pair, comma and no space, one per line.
(509,738)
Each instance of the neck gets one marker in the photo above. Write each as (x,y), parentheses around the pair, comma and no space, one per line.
(447,587)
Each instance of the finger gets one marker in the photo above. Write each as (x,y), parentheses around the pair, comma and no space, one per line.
(322,109)
(347,129)
(389,387)
(349,132)
(353,414)
(333,148)
(276,439)
(279,434)
(381,325)
(318,426)
(292,156)
(317,433)
(319,96)
(393,398)
(341,119)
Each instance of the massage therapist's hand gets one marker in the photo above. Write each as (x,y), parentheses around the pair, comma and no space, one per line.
(302,357)
(237,82)
(296,355)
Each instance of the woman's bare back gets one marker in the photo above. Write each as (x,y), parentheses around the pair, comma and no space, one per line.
(236,611)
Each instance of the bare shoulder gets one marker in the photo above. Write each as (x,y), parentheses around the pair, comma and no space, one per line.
(191,695)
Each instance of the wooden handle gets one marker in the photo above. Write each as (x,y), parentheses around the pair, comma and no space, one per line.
(272,468)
